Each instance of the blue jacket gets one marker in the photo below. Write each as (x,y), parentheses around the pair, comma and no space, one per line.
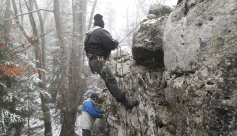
(88,114)
(90,108)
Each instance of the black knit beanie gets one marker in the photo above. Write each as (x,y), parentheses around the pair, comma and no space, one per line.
(94,96)
(98,20)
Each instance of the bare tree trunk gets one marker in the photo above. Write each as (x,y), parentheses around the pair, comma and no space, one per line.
(46,112)
(81,45)
(42,32)
(140,3)
(83,32)
(20,10)
(69,116)
(35,43)
(64,75)
(63,58)
(17,21)
(92,14)
(42,42)
(137,13)
(76,66)
(6,28)
(110,14)
(111,18)
(127,27)
(39,65)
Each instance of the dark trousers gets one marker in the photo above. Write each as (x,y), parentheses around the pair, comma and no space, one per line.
(108,77)
(86,132)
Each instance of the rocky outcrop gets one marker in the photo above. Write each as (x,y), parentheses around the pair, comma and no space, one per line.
(148,40)
(157,9)
(196,92)
(141,83)
(200,56)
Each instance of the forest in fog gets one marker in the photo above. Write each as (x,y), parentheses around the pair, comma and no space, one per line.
(43,68)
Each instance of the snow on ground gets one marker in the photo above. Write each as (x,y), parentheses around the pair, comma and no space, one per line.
(55,122)
(78,130)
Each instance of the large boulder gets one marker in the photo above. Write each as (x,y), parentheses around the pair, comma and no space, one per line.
(158,9)
(200,56)
(147,46)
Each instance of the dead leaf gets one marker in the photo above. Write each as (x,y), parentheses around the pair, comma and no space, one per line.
(10,22)
(3,44)
(12,38)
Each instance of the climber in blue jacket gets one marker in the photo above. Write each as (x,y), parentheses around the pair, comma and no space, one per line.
(89,112)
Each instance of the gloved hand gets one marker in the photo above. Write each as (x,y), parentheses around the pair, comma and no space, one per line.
(103,117)
(105,111)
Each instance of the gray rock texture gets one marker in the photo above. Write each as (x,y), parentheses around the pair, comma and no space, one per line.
(194,91)
(148,40)
(158,9)
(147,47)
(145,85)
(200,56)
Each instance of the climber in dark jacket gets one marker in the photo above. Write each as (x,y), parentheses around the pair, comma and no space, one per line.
(98,45)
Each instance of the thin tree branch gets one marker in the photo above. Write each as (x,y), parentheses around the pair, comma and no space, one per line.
(29,13)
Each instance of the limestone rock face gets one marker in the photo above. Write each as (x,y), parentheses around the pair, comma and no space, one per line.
(145,85)
(196,92)
(148,39)
(200,56)
(197,31)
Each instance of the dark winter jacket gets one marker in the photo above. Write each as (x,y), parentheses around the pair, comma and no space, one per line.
(99,42)
(88,114)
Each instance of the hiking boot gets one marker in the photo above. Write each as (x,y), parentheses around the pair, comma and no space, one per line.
(131,104)
(127,104)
